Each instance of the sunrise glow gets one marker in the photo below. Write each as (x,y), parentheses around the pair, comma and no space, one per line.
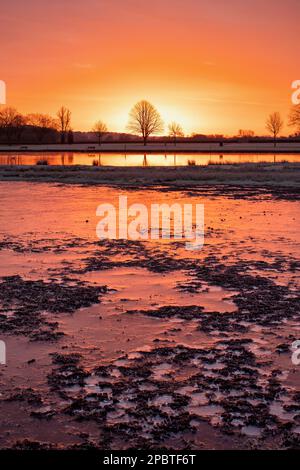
(206,69)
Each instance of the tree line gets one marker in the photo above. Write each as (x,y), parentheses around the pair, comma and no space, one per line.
(144,120)
(13,124)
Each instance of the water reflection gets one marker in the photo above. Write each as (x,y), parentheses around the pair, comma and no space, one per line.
(129,159)
(145,163)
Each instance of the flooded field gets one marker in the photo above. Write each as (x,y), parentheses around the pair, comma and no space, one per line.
(134,159)
(116,344)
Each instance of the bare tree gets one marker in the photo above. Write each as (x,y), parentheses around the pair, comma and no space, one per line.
(64,122)
(294,118)
(43,125)
(100,128)
(175,131)
(245,134)
(144,119)
(274,125)
(12,123)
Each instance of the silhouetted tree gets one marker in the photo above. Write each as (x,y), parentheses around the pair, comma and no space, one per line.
(64,122)
(100,128)
(70,137)
(294,118)
(43,125)
(175,131)
(12,123)
(274,125)
(144,119)
(245,134)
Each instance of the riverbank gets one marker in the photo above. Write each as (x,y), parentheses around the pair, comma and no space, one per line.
(161,147)
(276,175)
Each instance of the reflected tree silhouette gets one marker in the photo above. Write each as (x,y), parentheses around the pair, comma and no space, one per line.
(145,162)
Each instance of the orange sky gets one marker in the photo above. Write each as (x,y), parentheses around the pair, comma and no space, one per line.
(214,66)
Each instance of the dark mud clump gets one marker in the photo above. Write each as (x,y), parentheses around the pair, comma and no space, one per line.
(133,253)
(163,397)
(28,395)
(260,300)
(42,245)
(185,312)
(27,444)
(26,305)
(68,373)
(224,322)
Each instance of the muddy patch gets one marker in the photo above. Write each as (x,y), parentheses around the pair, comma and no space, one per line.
(26,306)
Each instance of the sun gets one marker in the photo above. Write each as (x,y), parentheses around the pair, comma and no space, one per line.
(171,114)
